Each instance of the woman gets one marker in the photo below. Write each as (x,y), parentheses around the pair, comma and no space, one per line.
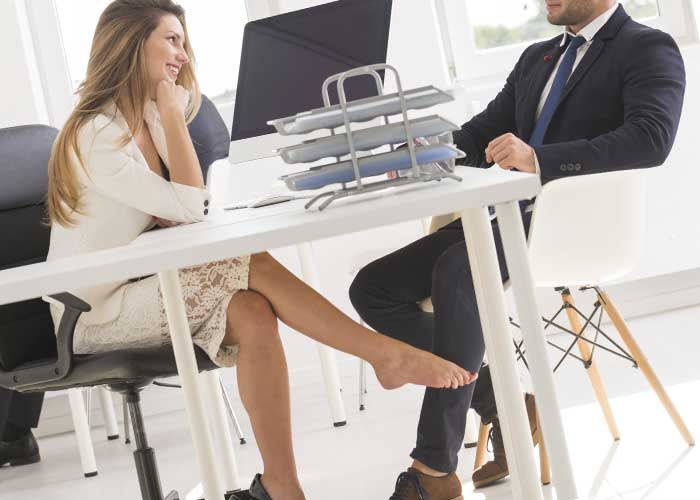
(107,186)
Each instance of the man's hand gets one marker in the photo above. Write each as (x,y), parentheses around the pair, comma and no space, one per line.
(510,152)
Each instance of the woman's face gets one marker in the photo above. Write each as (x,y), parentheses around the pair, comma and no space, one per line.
(164,51)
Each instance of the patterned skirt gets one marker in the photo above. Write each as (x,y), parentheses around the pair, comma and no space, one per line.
(207,290)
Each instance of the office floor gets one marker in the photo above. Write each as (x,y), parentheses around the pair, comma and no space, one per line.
(361,461)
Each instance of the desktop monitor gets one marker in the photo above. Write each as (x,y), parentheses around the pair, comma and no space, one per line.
(286,58)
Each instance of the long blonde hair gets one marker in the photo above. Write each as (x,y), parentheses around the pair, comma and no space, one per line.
(116,73)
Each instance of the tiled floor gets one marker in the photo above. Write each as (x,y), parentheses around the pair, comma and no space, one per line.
(361,461)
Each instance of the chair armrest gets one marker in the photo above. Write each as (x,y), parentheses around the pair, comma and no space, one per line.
(71,301)
(59,368)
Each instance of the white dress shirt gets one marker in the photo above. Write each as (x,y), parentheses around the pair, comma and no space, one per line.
(588,32)
(120,196)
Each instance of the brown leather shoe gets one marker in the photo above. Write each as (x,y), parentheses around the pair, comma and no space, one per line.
(497,469)
(414,485)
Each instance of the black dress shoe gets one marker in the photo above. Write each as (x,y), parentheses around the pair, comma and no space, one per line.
(257,490)
(22,451)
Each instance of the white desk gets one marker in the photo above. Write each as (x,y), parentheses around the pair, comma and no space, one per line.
(238,233)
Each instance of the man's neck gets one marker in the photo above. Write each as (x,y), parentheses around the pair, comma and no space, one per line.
(600,10)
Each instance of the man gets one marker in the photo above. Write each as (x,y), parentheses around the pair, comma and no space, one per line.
(18,414)
(607,95)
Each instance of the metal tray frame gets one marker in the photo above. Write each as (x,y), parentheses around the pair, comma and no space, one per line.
(414,176)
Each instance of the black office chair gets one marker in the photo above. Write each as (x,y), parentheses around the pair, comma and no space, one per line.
(32,358)
(209,135)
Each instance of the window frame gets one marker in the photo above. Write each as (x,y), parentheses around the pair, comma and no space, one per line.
(476,66)
(50,55)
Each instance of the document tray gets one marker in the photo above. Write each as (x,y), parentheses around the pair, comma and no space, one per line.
(343,172)
(365,139)
(360,110)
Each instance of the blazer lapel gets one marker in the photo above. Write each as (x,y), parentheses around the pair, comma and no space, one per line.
(536,86)
(607,32)
(588,59)
(152,118)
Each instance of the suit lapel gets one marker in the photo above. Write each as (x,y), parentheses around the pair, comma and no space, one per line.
(607,32)
(588,59)
(536,86)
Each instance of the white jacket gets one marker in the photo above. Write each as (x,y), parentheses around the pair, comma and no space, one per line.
(120,197)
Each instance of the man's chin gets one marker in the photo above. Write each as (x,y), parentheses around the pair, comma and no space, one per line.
(553,19)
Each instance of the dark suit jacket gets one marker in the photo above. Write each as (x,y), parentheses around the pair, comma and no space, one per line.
(620,108)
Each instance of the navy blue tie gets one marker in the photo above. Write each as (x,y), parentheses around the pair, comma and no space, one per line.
(562,76)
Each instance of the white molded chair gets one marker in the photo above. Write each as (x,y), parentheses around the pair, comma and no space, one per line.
(587,231)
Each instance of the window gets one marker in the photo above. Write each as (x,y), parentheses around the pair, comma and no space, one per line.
(486,38)
(216,39)
(526,21)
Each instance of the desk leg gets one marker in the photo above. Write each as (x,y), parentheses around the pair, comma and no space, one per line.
(326,354)
(490,298)
(187,369)
(515,247)
(221,430)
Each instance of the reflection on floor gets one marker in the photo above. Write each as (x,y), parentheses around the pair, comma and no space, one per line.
(361,461)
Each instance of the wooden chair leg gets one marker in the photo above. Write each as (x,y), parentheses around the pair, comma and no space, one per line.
(480,457)
(545,470)
(644,366)
(592,371)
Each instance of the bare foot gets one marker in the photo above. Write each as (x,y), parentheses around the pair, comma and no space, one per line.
(408,365)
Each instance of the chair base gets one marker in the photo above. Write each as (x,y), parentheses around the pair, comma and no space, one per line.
(144,455)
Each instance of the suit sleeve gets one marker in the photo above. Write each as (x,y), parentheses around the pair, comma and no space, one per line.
(497,119)
(117,174)
(653,91)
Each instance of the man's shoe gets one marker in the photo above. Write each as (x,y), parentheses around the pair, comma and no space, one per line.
(414,485)
(22,451)
(497,469)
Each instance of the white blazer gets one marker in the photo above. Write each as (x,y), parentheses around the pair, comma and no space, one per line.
(120,196)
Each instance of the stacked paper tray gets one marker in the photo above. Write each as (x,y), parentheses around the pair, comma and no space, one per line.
(360,110)
(365,139)
(343,172)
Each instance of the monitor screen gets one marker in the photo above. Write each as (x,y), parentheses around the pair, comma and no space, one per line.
(285,60)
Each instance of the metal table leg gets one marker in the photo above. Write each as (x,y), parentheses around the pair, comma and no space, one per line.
(187,369)
(515,247)
(326,354)
(490,297)
(227,458)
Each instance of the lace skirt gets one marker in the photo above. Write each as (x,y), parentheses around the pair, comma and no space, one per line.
(207,290)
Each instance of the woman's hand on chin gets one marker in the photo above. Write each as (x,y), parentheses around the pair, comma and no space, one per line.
(171,98)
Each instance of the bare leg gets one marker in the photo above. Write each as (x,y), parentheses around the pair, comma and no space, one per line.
(264,388)
(303,309)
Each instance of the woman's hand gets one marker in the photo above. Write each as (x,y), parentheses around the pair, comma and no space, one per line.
(171,98)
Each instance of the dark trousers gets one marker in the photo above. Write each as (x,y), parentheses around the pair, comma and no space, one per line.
(386,294)
(20,410)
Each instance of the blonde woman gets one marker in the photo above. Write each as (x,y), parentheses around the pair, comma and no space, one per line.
(107,186)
